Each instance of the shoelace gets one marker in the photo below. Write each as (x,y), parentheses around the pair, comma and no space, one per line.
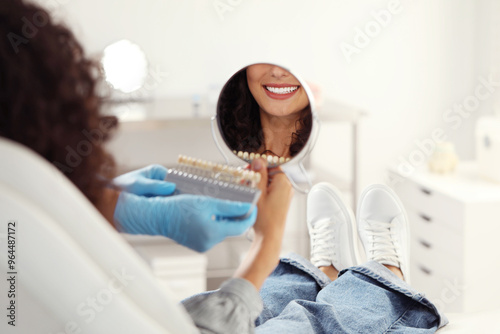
(381,247)
(322,240)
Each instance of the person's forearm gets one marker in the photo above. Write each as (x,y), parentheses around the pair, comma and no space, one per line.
(261,259)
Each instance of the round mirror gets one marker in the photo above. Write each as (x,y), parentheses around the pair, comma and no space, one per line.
(266,111)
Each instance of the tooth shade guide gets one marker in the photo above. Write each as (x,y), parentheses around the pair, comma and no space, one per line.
(272,160)
(198,167)
(200,177)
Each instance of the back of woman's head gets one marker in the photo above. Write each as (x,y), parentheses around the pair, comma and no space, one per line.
(48,98)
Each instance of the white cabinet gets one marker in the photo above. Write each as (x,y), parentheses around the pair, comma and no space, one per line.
(455,237)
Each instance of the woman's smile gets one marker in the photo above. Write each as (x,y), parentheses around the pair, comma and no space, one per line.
(280,91)
(277,92)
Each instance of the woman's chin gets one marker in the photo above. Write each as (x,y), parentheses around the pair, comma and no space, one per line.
(281,113)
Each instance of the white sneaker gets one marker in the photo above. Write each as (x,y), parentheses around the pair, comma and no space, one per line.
(383,228)
(331,228)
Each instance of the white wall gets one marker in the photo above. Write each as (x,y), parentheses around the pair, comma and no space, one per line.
(425,60)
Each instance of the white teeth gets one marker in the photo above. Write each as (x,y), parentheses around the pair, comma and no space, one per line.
(282,90)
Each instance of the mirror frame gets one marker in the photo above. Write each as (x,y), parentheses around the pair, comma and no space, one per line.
(304,152)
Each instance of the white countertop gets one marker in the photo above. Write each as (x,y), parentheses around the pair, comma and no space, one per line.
(464,184)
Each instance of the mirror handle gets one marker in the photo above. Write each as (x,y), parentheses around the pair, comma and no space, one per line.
(306,177)
(301,166)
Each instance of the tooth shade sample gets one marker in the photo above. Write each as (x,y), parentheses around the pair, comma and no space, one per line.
(257,177)
(249,157)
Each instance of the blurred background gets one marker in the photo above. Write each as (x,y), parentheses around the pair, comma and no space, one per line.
(427,58)
(404,72)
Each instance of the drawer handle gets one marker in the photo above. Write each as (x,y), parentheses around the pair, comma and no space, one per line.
(425,244)
(426,191)
(425,270)
(425,217)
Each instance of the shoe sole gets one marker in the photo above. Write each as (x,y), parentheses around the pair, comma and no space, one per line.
(396,198)
(351,227)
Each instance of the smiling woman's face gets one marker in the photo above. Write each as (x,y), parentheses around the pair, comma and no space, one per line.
(276,91)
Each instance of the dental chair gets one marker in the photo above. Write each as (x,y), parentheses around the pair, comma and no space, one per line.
(73,272)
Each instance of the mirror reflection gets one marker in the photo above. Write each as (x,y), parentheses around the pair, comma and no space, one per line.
(264,111)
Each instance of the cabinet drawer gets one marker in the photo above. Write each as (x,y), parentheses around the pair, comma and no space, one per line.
(431,203)
(435,235)
(425,281)
(435,262)
(443,293)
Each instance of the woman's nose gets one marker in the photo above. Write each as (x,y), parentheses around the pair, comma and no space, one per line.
(279,72)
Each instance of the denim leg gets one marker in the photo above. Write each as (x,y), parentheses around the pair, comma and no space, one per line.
(364,299)
(294,278)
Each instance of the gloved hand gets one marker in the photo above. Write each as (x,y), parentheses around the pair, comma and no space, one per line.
(147,181)
(197,222)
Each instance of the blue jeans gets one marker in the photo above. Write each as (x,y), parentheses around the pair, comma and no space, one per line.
(300,298)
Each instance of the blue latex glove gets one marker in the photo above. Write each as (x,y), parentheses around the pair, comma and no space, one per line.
(147,181)
(197,222)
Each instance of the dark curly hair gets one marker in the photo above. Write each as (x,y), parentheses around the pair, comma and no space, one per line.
(48,99)
(239,118)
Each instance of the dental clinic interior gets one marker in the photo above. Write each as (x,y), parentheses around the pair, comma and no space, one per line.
(403,93)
